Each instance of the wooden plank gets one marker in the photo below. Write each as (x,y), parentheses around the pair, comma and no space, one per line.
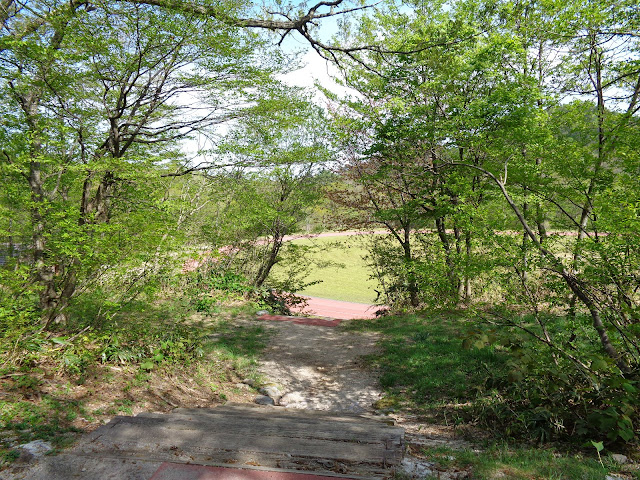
(262,411)
(124,436)
(354,425)
(278,462)
(247,407)
(314,428)
(194,472)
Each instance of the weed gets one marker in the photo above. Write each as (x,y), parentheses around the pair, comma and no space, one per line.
(501,461)
(9,456)
(49,420)
(424,366)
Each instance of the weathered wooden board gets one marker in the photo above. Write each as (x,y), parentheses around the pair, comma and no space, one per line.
(243,409)
(324,429)
(141,437)
(257,436)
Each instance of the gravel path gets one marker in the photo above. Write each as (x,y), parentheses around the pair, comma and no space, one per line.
(319,368)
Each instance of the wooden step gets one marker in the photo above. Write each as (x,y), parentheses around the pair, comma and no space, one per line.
(244,435)
(245,409)
(277,426)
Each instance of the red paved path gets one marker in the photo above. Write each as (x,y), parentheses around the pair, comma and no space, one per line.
(325,307)
(177,471)
(319,322)
(333,311)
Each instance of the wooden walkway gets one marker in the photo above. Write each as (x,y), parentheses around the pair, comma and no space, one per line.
(242,436)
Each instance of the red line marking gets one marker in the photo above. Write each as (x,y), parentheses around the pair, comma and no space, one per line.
(320,322)
(181,471)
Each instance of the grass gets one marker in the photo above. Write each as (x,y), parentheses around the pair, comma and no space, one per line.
(425,371)
(349,282)
(422,362)
(501,461)
(240,345)
(49,419)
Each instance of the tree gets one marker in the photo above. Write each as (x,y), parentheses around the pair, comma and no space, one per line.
(528,114)
(87,127)
(277,157)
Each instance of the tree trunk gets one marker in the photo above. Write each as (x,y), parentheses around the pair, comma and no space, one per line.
(412,285)
(588,204)
(467,278)
(451,270)
(272,258)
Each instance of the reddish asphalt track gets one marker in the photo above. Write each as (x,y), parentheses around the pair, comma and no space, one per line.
(176,471)
(325,307)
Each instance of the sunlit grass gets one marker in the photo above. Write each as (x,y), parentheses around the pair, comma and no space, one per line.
(500,461)
(352,283)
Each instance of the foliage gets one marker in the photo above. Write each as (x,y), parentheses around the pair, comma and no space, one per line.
(508,132)
(216,284)
(92,123)
(275,170)
(502,461)
(139,351)
(541,396)
(454,368)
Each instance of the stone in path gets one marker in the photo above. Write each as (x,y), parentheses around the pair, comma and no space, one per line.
(234,435)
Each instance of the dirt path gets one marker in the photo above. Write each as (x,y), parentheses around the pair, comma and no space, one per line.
(320,368)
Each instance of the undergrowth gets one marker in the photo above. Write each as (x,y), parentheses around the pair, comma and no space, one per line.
(502,461)
(154,352)
(454,369)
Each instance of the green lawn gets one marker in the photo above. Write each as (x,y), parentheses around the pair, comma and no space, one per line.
(351,283)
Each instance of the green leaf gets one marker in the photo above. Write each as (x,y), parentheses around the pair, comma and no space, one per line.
(148,365)
(599,446)
(599,364)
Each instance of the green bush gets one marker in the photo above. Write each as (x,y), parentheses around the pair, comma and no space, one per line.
(545,396)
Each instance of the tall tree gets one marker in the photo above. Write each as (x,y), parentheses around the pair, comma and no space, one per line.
(277,158)
(96,99)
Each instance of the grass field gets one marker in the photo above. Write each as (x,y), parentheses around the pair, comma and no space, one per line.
(351,283)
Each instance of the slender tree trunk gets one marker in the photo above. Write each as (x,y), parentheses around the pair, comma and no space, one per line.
(587,208)
(272,258)
(525,242)
(412,285)
(467,278)
(451,269)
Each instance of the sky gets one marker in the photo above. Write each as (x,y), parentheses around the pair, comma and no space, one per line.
(315,69)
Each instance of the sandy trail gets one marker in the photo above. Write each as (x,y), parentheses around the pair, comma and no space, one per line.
(320,368)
